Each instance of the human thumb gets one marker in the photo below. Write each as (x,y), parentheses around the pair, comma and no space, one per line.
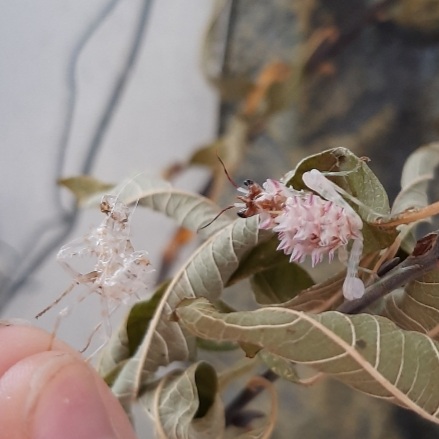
(55,394)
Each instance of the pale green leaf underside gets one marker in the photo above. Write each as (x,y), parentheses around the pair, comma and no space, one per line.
(369,353)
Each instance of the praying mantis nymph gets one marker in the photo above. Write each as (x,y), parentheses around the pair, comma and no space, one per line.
(119,272)
(308,223)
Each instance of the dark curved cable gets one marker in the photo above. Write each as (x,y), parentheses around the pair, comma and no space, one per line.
(118,88)
(72,87)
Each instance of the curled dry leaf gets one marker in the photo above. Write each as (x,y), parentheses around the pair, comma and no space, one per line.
(416,307)
(417,174)
(412,204)
(186,405)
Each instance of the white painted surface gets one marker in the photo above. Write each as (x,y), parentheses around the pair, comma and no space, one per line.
(167,111)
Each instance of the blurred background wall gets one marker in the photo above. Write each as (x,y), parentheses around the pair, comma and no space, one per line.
(113,88)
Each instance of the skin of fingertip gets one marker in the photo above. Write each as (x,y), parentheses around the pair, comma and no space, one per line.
(20,386)
(77,404)
(25,351)
(19,342)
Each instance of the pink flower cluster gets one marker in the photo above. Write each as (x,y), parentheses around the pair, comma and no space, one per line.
(309,225)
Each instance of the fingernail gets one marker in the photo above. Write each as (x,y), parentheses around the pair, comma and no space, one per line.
(70,407)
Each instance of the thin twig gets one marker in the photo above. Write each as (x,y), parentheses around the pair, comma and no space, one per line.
(247,394)
(425,258)
(409,216)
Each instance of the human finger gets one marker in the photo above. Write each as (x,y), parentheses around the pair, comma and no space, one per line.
(53,393)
